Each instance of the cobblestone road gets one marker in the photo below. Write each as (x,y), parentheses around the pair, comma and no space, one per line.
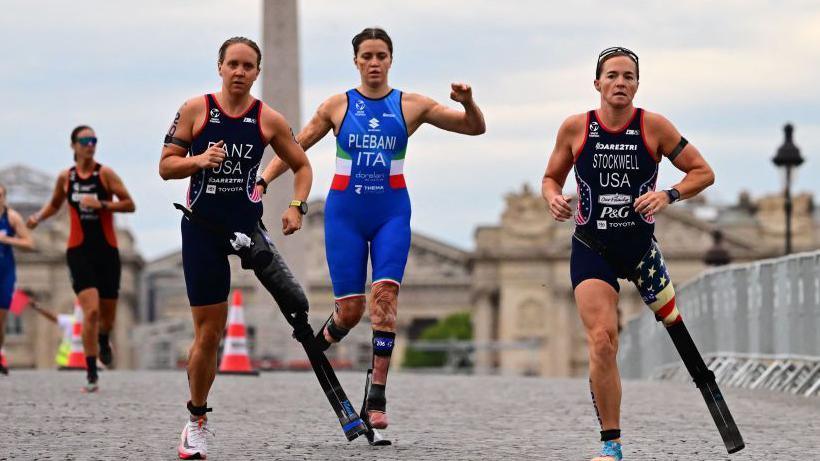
(283,416)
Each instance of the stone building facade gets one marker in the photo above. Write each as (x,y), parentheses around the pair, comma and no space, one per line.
(31,339)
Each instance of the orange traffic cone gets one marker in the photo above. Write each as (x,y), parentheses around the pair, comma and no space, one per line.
(76,357)
(235,358)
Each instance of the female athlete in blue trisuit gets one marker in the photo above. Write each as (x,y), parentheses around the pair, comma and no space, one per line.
(217,141)
(368,208)
(13,233)
(615,151)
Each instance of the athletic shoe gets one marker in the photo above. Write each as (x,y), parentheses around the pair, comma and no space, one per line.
(105,354)
(192,441)
(90,388)
(612,450)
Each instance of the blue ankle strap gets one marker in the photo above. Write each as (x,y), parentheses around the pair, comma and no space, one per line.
(613,449)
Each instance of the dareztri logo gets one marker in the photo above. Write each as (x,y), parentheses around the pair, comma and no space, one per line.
(601,224)
(593,130)
(215,115)
(615,146)
(249,120)
(614,199)
(359,108)
(373,123)
(614,213)
(633,132)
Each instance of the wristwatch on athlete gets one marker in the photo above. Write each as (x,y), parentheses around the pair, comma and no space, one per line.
(261,182)
(302,206)
(673,195)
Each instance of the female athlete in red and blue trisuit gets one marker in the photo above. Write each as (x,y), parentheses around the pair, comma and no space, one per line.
(367,212)
(615,151)
(92,255)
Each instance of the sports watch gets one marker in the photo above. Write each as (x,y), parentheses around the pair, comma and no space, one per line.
(302,206)
(673,195)
(260,181)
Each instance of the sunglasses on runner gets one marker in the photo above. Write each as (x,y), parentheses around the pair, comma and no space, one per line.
(87,141)
(616,49)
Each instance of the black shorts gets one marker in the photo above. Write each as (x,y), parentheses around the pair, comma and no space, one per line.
(205,264)
(97,267)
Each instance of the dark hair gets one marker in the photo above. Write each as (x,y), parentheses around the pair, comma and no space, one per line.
(244,41)
(614,52)
(76,131)
(372,33)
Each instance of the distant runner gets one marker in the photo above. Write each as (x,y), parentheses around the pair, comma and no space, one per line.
(94,193)
(13,233)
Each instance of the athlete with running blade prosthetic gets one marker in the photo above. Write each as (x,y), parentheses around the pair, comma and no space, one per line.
(92,255)
(615,152)
(217,141)
(368,207)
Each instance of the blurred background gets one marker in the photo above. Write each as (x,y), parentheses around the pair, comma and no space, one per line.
(487,286)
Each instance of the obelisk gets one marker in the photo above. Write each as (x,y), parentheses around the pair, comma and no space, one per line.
(280,90)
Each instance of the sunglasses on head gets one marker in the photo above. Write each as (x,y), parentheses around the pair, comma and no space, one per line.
(87,141)
(612,50)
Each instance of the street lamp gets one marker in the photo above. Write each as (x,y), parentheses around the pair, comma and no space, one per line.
(788,157)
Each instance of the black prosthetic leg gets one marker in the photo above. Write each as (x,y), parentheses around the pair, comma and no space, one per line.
(705,381)
(258,253)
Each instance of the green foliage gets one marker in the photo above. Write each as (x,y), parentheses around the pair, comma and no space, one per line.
(453,327)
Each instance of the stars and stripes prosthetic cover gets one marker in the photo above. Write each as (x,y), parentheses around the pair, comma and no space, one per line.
(655,286)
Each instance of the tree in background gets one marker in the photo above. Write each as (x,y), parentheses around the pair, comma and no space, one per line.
(456,327)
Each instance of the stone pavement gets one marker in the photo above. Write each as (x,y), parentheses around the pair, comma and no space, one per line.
(284,416)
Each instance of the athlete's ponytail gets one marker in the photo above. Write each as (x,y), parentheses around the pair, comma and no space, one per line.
(372,33)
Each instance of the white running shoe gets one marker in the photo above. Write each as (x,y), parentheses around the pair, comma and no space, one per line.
(192,441)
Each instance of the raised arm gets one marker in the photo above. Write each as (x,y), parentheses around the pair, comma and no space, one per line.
(175,163)
(559,165)
(316,129)
(287,149)
(53,205)
(22,238)
(420,109)
(699,174)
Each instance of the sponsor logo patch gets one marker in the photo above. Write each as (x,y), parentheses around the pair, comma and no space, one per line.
(601,224)
(614,199)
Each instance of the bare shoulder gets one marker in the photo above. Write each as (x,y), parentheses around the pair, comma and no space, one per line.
(14,217)
(107,172)
(657,124)
(270,117)
(573,125)
(417,100)
(193,106)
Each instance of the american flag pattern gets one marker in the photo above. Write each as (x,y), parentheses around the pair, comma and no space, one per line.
(655,286)
(584,207)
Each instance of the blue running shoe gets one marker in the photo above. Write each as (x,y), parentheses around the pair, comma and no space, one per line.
(612,449)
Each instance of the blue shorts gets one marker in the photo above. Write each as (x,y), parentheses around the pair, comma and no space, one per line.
(205,264)
(356,226)
(7,281)
(585,263)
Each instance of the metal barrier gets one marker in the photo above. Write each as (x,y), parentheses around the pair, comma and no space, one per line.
(757,325)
